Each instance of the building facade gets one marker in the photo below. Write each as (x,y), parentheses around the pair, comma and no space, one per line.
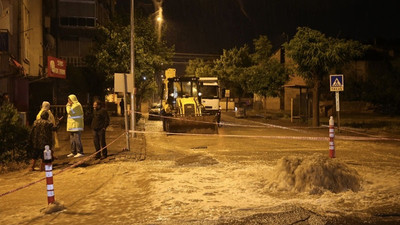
(69,28)
(33,30)
(21,50)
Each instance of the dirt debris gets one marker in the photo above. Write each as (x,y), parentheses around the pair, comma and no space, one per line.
(314,174)
(196,160)
(292,215)
(54,207)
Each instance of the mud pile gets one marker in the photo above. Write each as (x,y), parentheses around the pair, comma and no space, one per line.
(196,160)
(314,174)
(54,207)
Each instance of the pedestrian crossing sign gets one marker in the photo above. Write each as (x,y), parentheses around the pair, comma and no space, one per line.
(336,82)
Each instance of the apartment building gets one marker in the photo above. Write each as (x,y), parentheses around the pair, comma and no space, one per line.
(21,49)
(31,31)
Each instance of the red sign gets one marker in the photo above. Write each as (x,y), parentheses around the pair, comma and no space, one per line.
(56,67)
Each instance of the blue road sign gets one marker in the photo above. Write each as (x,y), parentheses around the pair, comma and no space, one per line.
(336,82)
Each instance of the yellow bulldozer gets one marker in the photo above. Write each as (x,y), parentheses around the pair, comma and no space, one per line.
(182,110)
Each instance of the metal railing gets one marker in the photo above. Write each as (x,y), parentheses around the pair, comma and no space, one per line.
(76,61)
(60,110)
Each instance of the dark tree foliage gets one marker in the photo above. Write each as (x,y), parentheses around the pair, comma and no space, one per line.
(112,54)
(316,56)
(13,135)
(245,72)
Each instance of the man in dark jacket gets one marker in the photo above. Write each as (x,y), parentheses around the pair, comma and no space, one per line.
(99,124)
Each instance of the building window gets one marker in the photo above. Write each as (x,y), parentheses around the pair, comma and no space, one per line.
(77,22)
(4,41)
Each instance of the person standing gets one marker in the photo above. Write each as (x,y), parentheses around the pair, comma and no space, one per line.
(75,125)
(100,122)
(40,136)
(121,104)
(46,108)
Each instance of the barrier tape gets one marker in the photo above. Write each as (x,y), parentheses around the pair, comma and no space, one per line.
(263,125)
(266,125)
(182,118)
(347,138)
(61,171)
(277,126)
(89,157)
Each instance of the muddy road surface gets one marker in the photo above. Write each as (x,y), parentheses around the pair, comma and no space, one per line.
(250,173)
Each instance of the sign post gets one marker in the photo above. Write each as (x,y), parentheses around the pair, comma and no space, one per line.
(227,95)
(336,83)
(123,83)
(337,108)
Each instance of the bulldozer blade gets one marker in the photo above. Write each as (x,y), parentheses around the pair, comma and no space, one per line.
(200,124)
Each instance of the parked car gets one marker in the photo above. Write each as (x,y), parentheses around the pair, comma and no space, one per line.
(154,112)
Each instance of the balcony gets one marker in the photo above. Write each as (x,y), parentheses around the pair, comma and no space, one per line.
(75,61)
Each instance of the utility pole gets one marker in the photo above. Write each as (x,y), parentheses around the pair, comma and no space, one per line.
(133,102)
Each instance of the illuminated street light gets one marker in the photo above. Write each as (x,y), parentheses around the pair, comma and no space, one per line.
(159,20)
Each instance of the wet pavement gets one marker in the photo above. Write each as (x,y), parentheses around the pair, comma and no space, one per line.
(115,137)
(242,176)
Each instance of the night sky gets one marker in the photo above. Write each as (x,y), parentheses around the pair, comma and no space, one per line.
(208,26)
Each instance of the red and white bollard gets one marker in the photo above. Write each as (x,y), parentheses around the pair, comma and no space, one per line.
(332,152)
(48,167)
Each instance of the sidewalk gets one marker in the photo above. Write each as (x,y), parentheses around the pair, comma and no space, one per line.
(273,117)
(115,132)
(351,124)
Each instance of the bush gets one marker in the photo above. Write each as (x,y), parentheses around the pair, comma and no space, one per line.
(13,135)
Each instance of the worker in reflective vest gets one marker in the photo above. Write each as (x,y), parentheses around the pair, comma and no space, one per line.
(75,125)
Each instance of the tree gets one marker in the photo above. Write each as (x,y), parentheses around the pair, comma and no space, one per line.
(267,76)
(316,55)
(267,79)
(13,135)
(231,69)
(262,50)
(244,72)
(200,68)
(112,54)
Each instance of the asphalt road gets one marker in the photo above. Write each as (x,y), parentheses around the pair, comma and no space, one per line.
(250,173)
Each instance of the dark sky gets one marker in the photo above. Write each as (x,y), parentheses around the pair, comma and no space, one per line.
(208,26)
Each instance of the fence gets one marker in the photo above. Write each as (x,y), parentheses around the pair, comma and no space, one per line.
(60,110)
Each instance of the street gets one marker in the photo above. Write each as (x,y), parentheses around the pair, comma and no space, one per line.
(250,173)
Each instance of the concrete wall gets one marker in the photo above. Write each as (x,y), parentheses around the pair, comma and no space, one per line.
(32,37)
(231,104)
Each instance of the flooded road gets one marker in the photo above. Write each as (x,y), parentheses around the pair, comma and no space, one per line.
(241,176)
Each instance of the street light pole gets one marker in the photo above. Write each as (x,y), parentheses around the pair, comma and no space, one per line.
(133,103)
(159,21)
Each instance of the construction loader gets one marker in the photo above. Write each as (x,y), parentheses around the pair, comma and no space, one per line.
(182,110)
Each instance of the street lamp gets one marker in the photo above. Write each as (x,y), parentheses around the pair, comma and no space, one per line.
(159,20)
